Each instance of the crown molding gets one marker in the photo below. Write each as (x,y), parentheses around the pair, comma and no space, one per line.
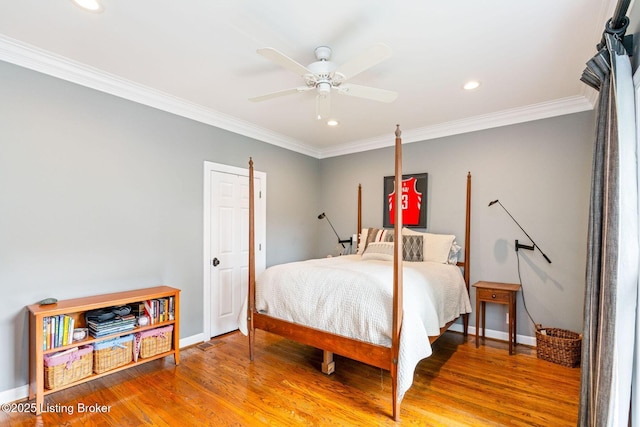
(528,113)
(590,94)
(31,57)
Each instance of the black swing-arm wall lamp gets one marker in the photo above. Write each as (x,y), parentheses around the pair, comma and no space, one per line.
(520,245)
(341,241)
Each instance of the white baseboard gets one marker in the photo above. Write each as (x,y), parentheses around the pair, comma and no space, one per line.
(22,392)
(497,335)
(15,394)
(193,339)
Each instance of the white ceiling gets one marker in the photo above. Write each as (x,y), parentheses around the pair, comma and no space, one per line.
(197,58)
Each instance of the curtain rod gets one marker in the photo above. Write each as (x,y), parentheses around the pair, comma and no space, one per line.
(617,25)
(619,14)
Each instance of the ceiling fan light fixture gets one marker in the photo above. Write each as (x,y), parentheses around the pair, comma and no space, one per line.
(324,76)
(90,5)
(324,88)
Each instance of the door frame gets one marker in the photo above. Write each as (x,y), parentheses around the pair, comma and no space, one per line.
(260,230)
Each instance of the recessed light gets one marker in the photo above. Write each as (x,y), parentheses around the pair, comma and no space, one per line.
(471,85)
(332,122)
(90,5)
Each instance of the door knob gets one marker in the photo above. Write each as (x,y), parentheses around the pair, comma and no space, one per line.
(215,262)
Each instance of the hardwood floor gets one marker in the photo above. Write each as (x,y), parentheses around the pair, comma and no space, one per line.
(458,385)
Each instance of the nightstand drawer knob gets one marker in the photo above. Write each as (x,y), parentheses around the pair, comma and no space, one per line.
(493,295)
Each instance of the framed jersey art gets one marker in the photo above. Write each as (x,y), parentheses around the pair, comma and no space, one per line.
(413,199)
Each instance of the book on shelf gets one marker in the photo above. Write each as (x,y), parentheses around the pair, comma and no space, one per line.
(99,329)
(114,326)
(57,331)
(148,311)
(160,309)
(129,318)
(65,330)
(104,332)
(137,309)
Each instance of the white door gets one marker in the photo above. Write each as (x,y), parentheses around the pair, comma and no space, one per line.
(228,251)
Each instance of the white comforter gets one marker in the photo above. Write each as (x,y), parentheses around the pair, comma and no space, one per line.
(353,297)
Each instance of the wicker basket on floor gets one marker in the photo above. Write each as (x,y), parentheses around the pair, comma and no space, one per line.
(113,353)
(69,367)
(155,341)
(558,346)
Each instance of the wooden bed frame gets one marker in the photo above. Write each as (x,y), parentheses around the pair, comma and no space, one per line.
(371,354)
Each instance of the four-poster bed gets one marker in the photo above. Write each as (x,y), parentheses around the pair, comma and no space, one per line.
(387,352)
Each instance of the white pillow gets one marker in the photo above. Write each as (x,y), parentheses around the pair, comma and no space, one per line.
(454,253)
(436,246)
(382,251)
(362,243)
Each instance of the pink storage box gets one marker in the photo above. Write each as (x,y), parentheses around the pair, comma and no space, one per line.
(66,367)
(153,341)
(53,360)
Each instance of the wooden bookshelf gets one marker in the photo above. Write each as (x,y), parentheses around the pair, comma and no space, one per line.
(76,308)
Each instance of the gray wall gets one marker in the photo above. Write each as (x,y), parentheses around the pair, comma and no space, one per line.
(540,171)
(99,194)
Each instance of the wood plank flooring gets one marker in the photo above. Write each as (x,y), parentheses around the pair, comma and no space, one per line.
(458,385)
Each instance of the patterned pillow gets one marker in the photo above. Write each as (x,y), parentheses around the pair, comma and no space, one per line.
(436,247)
(370,235)
(412,248)
(382,251)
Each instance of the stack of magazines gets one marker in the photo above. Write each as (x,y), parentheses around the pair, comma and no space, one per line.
(101,328)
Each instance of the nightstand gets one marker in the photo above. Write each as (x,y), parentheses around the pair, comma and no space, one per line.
(499,293)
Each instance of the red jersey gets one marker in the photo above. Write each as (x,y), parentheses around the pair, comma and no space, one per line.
(411,201)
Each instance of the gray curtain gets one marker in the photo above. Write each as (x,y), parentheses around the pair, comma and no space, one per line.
(611,288)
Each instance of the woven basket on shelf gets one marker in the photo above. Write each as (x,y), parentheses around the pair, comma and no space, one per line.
(112,353)
(558,346)
(68,368)
(155,341)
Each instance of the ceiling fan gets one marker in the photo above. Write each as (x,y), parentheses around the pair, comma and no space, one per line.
(325,76)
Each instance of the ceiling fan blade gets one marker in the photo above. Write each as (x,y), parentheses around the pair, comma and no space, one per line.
(283,60)
(280,93)
(323,106)
(367,92)
(372,56)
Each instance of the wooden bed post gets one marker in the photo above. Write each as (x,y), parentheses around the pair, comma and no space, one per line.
(359,229)
(252,265)
(467,251)
(397,276)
